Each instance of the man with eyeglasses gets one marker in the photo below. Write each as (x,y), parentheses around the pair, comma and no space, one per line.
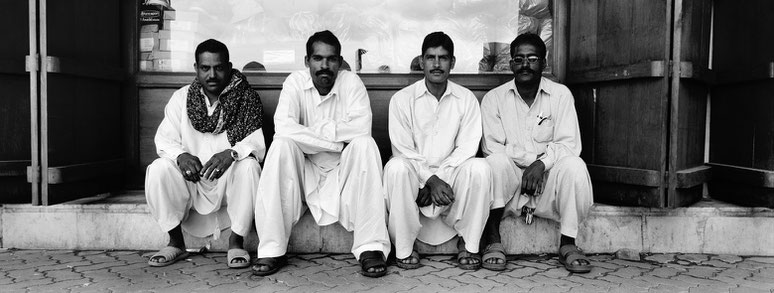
(532,143)
(322,154)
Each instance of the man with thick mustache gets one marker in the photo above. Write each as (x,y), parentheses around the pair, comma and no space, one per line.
(532,143)
(435,187)
(216,120)
(322,152)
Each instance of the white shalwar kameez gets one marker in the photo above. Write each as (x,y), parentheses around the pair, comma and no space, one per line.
(174,201)
(436,137)
(516,134)
(323,152)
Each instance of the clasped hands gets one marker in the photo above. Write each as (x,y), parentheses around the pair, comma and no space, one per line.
(436,191)
(193,171)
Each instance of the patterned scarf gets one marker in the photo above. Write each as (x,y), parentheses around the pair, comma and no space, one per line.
(239,111)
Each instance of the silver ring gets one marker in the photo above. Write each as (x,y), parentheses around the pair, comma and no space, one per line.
(187,172)
(217,170)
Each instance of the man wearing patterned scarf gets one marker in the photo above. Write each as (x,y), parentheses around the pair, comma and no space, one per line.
(209,145)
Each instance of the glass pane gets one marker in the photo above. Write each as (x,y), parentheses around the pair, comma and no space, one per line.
(271,34)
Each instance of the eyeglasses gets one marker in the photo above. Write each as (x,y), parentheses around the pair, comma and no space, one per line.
(530,59)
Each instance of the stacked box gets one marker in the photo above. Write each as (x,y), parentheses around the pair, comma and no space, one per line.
(177,41)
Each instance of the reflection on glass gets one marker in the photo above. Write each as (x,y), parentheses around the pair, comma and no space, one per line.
(376,35)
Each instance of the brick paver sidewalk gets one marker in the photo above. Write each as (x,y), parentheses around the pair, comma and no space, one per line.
(127,271)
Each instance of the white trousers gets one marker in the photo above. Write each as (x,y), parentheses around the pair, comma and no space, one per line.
(174,201)
(567,194)
(471,183)
(345,188)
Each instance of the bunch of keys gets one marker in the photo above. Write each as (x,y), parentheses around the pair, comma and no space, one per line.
(528,213)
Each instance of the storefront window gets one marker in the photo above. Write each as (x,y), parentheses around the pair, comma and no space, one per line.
(376,35)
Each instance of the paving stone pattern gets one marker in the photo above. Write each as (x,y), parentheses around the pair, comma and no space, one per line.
(127,271)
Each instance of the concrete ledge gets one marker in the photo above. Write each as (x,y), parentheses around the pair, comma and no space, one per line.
(125,223)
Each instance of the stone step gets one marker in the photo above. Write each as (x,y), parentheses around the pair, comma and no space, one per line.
(123,222)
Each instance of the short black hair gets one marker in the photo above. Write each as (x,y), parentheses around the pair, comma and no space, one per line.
(438,39)
(212,46)
(532,39)
(326,37)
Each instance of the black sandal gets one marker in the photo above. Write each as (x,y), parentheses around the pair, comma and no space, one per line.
(370,260)
(274,264)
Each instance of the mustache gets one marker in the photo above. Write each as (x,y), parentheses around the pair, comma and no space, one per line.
(324,71)
(525,70)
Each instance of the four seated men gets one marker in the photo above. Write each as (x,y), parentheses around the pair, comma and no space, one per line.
(323,158)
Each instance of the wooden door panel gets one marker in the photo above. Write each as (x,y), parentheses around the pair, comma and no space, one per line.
(82,120)
(15,147)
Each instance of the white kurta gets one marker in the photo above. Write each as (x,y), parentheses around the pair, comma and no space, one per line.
(170,197)
(323,152)
(515,134)
(436,137)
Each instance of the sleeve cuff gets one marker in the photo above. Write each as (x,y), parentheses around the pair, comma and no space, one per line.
(242,151)
(172,154)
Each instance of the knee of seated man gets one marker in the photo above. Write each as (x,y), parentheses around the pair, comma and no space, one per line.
(479,167)
(282,143)
(361,141)
(396,167)
(573,164)
(159,168)
(498,161)
(247,166)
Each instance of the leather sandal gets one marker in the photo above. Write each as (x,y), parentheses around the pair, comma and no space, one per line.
(494,251)
(406,265)
(274,264)
(372,259)
(568,254)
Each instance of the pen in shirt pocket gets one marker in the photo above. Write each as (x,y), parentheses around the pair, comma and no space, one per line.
(543,118)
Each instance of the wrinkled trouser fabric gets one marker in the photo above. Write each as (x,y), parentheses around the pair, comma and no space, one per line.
(349,193)
(174,201)
(567,194)
(471,183)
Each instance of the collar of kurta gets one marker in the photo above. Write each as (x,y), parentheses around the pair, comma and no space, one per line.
(421,89)
(544,86)
(309,85)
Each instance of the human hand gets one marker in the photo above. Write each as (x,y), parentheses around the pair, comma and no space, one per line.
(532,179)
(189,166)
(440,192)
(423,198)
(217,165)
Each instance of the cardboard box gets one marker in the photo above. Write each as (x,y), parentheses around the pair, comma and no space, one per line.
(177,25)
(177,45)
(181,15)
(149,28)
(177,35)
(148,42)
(171,65)
(146,65)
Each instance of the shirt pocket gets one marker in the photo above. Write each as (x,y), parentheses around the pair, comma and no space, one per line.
(544,132)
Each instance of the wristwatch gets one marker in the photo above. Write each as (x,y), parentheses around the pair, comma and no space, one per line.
(234,155)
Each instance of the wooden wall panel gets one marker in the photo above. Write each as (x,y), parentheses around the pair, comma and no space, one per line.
(620,63)
(611,33)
